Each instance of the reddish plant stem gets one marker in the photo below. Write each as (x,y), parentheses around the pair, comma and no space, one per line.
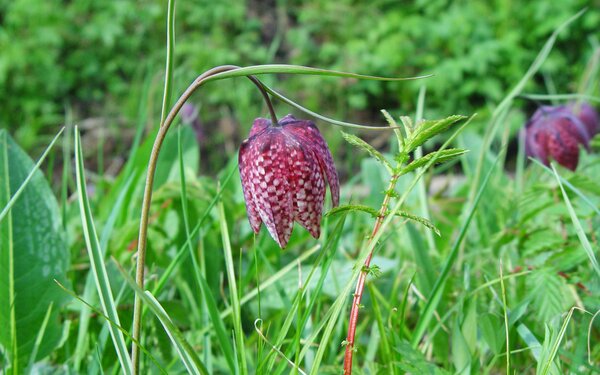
(360,284)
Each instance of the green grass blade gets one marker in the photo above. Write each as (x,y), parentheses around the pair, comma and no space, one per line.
(183,250)
(556,344)
(436,294)
(20,190)
(186,353)
(569,185)
(298,69)
(168,89)
(111,323)
(88,292)
(185,350)
(292,103)
(578,228)
(210,304)
(38,339)
(561,97)
(324,259)
(97,260)
(233,292)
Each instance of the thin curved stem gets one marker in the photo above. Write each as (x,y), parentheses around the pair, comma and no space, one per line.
(360,284)
(147,199)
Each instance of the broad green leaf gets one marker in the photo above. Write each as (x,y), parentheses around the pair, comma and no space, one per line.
(492,330)
(461,357)
(355,141)
(33,252)
(439,156)
(427,129)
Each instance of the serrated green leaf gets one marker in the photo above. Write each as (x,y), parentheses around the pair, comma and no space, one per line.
(357,142)
(428,129)
(420,220)
(374,213)
(439,156)
(353,207)
(549,294)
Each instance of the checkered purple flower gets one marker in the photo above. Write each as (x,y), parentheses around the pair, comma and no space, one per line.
(557,132)
(284,169)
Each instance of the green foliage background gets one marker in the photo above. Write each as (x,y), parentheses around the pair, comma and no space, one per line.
(90,58)
(505,273)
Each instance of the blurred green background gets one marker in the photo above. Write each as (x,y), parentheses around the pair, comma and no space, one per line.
(100,64)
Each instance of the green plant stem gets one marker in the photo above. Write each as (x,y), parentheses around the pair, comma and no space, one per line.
(360,284)
(168,89)
(147,199)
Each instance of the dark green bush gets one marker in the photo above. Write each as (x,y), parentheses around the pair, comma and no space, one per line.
(89,55)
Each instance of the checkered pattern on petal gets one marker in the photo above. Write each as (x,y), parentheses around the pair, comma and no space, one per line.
(311,137)
(284,170)
(245,157)
(563,143)
(308,189)
(269,175)
(557,132)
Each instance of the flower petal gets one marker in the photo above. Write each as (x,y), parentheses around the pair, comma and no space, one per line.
(308,189)
(270,178)
(245,156)
(312,138)
(258,126)
(563,143)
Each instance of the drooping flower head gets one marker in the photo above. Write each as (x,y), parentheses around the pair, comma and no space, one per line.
(284,170)
(557,132)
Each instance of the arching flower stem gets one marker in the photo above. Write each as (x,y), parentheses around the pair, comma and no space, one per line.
(147,198)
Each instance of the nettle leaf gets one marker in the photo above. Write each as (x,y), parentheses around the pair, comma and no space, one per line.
(355,141)
(33,252)
(428,129)
(439,156)
(549,293)
(353,207)
(420,220)
(374,213)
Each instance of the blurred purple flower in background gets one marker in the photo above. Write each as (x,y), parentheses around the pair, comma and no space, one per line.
(557,132)
(190,116)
